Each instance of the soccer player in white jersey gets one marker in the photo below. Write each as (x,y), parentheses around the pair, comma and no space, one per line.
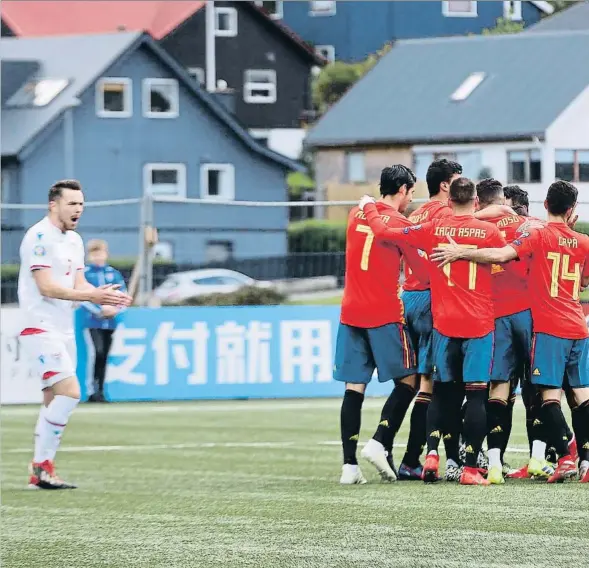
(51,279)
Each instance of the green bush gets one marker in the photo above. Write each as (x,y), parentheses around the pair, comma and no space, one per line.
(248,296)
(316,235)
(582,227)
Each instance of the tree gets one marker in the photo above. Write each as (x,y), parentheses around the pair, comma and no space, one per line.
(504,26)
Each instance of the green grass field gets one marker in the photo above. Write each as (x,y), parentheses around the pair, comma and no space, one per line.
(254,483)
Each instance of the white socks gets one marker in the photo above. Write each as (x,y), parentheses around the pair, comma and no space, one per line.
(51,424)
(494,457)
(539,450)
(37,456)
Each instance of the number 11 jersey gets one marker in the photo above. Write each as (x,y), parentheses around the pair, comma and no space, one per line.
(371,291)
(558,261)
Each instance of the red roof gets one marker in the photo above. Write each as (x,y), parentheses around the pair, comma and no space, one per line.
(43,18)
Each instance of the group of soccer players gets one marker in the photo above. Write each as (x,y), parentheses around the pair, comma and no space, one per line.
(490,299)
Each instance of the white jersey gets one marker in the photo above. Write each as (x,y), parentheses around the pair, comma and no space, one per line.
(45,246)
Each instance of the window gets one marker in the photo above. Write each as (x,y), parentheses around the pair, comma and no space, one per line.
(459,9)
(273,9)
(225,22)
(326,51)
(37,93)
(160,98)
(572,165)
(259,86)
(512,11)
(217,181)
(4,187)
(198,74)
(525,166)
(356,167)
(261,136)
(322,7)
(165,180)
(470,160)
(468,86)
(218,251)
(114,98)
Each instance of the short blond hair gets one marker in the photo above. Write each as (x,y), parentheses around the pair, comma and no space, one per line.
(96,244)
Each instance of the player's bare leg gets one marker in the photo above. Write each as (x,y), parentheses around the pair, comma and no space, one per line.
(392,416)
(350,421)
(410,467)
(497,409)
(59,402)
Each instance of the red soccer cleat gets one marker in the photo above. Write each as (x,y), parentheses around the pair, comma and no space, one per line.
(43,476)
(521,473)
(430,468)
(584,473)
(565,469)
(472,476)
(573,448)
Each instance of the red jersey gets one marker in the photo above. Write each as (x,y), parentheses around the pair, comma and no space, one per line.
(427,212)
(558,262)
(371,290)
(510,287)
(461,291)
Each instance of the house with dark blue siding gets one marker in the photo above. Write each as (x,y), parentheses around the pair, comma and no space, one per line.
(352,30)
(126,120)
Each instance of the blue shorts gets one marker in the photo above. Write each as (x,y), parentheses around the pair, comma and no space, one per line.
(418,314)
(557,362)
(460,359)
(513,345)
(359,351)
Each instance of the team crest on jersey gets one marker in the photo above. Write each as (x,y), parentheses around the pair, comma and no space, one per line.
(109,277)
(39,250)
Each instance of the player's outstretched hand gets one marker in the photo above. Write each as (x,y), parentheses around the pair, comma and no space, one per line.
(448,253)
(364,200)
(110,295)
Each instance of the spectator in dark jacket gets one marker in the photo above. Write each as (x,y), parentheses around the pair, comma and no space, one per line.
(101,321)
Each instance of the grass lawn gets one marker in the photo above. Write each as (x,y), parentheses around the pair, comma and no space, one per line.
(255,483)
(329,301)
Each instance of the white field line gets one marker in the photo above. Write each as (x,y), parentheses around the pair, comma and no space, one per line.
(192,446)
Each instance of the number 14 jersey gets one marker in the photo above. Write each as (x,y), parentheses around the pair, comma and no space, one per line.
(558,261)
(371,290)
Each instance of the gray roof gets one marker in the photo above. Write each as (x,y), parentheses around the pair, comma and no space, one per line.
(405,98)
(576,17)
(95,53)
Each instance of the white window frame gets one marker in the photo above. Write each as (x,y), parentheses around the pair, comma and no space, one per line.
(473,13)
(148,187)
(259,133)
(516,15)
(175,102)
(527,165)
(249,86)
(127,84)
(227,194)
(278,14)
(330,52)
(330,12)
(232,13)
(197,73)
(348,169)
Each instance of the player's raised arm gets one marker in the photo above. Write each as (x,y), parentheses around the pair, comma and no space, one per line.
(454,252)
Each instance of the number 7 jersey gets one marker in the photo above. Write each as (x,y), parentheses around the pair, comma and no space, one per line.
(371,290)
(558,262)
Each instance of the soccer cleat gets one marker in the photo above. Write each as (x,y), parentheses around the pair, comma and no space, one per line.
(453,473)
(507,469)
(375,453)
(43,476)
(584,472)
(482,462)
(430,468)
(351,475)
(565,469)
(472,476)
(539,469)
(407,473)
(573,448)
(495,476)
(521,473)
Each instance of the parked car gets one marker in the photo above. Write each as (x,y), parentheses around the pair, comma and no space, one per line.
(179,286)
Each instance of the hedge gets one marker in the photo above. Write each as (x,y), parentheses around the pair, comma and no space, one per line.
(316,235)
(247,296)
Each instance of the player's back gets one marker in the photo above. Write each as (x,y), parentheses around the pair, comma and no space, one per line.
(510,288)
(461,291)
(427,212)
(558,261)
(371,290)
